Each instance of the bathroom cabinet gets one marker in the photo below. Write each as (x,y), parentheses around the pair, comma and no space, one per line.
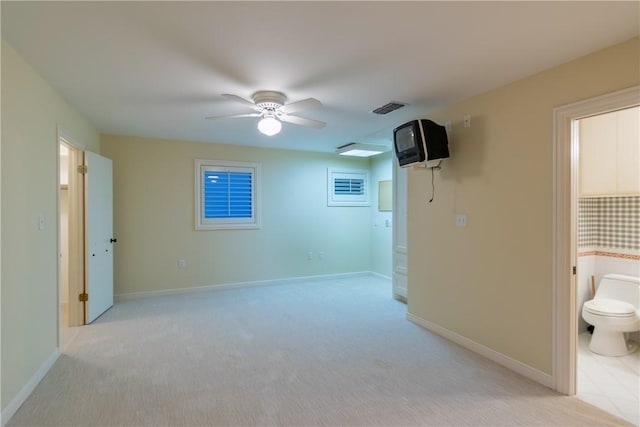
(610,154)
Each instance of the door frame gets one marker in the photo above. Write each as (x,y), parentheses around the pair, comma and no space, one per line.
(565,201)
(75,230)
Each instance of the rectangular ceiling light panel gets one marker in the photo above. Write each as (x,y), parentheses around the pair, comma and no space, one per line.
(360,150)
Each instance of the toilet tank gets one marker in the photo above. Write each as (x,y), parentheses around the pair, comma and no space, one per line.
(621,288)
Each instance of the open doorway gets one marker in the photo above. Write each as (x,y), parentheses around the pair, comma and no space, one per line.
(71,240)
(565,255)
(64,235)
(85,237)
(608,243)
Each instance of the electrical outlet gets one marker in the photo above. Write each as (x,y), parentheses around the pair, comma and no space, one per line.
(182,263)
(467,121)
(321,256)
(461,220)
(310,256)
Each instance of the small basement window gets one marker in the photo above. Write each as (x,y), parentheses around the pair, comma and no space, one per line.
(347,187)
(227,195)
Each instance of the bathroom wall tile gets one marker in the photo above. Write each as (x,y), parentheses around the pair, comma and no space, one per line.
(607,264)
(586,269)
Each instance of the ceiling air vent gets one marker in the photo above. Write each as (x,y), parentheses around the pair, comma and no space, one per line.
(387,108)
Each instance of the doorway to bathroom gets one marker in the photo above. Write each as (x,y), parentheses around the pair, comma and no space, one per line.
(565,229)
(608,242)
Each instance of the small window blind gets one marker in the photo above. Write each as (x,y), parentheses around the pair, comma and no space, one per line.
(227,195)
(347,187)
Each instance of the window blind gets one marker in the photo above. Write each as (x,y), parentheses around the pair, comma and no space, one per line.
(227,194)
(348,186)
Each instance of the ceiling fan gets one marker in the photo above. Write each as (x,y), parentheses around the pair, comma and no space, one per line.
(271,108)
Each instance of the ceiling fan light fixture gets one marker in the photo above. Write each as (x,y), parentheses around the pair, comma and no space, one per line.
(271,108)
(269,126)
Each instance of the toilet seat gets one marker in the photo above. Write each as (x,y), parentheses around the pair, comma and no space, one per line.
(610,307)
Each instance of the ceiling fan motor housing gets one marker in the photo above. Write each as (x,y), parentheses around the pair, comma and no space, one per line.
(269,104)
(269,100)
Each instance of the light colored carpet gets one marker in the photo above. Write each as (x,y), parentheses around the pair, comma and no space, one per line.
(325,352)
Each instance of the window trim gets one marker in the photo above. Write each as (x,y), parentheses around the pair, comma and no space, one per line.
(254,222)
(348,200)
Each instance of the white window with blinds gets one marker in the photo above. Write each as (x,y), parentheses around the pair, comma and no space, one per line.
(227,195)
(347,187)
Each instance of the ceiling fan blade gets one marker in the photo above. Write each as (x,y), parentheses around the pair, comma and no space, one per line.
(242,101)
(234,116)
(302,121)
(304,104)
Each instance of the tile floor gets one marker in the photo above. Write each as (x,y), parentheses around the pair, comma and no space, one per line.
(610,383)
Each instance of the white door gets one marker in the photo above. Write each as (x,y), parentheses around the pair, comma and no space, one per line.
(400,271)
(99,235)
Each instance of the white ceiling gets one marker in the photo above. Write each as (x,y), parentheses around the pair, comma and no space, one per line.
(156,69)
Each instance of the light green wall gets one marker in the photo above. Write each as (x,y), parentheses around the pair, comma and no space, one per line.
(491,281)
(154,218)
(381,232)
(31,112)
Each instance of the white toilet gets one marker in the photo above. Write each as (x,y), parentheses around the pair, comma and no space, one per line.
(614,310)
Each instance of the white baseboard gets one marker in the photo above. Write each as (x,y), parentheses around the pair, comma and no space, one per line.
(22,396)
(177,291)
(501,359)
(382,276)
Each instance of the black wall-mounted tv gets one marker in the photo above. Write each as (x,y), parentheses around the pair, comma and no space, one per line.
(420,141)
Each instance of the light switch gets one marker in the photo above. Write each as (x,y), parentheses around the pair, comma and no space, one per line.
(40,222)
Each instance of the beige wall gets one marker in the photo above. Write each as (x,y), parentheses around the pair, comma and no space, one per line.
(491,281)
(31,112)
(154,218)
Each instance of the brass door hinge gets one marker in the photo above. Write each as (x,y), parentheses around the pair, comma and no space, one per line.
(574,269)
(83,169)
(84,297)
